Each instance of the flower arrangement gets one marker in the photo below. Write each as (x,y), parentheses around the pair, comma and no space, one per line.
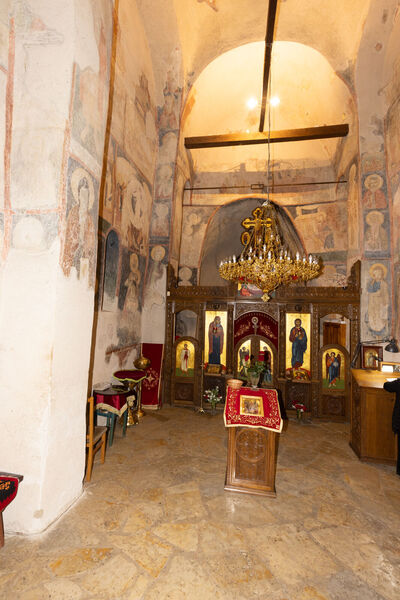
(257,367)
(213,397)
(300,408)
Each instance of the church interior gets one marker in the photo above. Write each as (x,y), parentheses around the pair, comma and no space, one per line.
(149,148)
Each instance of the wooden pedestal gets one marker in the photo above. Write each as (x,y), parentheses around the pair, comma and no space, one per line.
(251,461)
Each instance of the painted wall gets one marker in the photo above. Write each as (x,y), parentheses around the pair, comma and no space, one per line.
(392,133)
(375,75)
(53,100)
(166,218)
(127,195)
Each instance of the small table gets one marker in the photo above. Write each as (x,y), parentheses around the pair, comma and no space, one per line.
(112,403)
(133,378)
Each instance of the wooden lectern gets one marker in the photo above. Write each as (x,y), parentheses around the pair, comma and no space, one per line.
(251,461)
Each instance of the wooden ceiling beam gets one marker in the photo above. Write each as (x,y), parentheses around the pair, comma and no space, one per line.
(269,38)
(286,135)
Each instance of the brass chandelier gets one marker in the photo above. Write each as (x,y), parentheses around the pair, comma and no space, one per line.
(264,262)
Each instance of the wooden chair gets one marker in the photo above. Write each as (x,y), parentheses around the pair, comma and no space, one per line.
(95,439)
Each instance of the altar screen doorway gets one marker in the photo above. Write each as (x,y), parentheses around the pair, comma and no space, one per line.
(255,348)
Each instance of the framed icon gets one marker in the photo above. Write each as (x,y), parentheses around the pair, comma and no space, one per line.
(371,356)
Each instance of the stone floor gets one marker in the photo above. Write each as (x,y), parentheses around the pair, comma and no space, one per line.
(155,523)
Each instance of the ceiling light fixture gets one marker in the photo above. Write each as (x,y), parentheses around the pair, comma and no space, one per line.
(275,101)
(252,103)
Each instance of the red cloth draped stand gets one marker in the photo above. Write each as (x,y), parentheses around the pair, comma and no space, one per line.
(151,386)
(112,400)
(253,419)
(249,407)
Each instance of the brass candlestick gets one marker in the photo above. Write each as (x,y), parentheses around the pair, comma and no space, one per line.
(142,363)
(132,414)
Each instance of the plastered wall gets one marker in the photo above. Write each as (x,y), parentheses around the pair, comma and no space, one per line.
(53,101)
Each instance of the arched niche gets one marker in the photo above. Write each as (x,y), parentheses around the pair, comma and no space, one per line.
(223,234)
(186,324)
(263,351)
(111,263)
(334,329)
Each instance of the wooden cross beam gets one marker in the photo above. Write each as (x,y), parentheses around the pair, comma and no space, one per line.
(285,135)
(269,38)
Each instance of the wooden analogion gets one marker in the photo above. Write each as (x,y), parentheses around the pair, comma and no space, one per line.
(251,461)
(372,438)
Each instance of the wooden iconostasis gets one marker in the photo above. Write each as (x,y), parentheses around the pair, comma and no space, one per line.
(302,339)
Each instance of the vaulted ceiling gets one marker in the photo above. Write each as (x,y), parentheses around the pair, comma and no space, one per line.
(220,45)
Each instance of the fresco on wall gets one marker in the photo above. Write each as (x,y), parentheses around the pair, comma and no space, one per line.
(167,149)
(323,227)
(332,275)
(168,122)
(130,297)
(111,264)
(374,191)
(91,90)
(193,230)
(140,123)
(396,225)
(164,179)
(168,113)
(187,276)
(156,277)
(177,214)
(160,223)
(353,209)
(372,163)
(34,232)
(80,243)
(133,203)
(376,236)
(377,313)
(106,209)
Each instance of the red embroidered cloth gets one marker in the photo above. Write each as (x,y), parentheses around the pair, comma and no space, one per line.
(248,407)
(112,400)
(8,489)
(152,384)
(130,375)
